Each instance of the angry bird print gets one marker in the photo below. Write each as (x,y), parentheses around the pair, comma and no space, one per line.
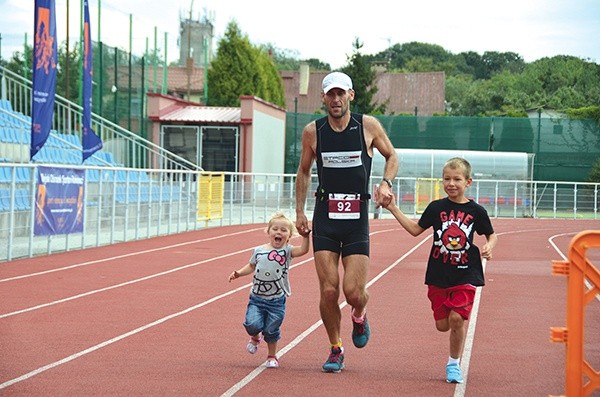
(454,238)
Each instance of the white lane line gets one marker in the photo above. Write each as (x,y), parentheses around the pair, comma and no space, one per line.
(588,285)
(258,370)
(111,258)
(246,379)
(461,388)
(127,334)
(137,280)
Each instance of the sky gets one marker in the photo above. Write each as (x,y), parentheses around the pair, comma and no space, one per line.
(325,30)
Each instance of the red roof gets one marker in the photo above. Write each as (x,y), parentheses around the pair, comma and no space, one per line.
(205,114)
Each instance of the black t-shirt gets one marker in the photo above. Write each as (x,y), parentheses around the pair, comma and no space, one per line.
(454,259)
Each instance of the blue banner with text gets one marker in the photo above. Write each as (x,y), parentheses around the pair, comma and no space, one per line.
(59,201)
(44,74)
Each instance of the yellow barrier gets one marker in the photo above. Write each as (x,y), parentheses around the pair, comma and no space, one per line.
(427,190)
(581,378)
(210,196)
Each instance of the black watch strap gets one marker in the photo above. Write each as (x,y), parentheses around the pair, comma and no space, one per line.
(389,183)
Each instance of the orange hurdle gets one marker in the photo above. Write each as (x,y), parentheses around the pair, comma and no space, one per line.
(581,378)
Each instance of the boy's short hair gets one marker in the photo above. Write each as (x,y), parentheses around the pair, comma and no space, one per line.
(459,163)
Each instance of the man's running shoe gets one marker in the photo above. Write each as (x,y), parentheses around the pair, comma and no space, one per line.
(335,362)
(360,332)
(453,374)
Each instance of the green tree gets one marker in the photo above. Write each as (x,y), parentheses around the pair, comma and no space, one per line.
(419,64)
(457,88)
(400,54)
(283,59)
(469,63)
(594,175)
(270,85)
(363,81)
(233,71)
(17,64)
(563,82)
(240,68)
(483,67)
(316,64)
(67,78)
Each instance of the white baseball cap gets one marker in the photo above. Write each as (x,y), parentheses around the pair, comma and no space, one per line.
(337,80)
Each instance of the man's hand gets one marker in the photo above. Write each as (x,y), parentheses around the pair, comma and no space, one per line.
(302,224)
(383,195)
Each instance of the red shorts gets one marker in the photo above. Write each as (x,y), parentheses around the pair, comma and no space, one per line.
(459,299)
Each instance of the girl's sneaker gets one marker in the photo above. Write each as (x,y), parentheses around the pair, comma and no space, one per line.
(252,345)
(272,362)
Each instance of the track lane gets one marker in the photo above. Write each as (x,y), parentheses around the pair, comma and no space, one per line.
(188,353)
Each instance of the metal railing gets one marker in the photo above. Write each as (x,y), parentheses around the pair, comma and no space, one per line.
(128,149)
(125,204)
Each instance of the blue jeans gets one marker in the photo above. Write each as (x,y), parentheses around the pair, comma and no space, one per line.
(266,316)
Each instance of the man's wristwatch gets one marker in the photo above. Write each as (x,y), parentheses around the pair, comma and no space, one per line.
(389,183)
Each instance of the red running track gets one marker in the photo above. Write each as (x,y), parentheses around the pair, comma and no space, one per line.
(157,317)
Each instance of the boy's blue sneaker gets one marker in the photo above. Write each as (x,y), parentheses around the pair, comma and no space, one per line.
(335,362)
(360,332)
(453,374)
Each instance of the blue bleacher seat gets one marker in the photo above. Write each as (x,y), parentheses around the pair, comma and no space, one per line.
(4,135)
(4,200)
(93,160)
(10,135)
(108,157)
(54,155)
(155,194)
(107,175)
(75,156)
(92,175)
(166,193)
(144,194)
(62,155)
(134,176)
(43,155)
(121,195)
(74,140)
(143,177)
(52,140)
(21,135)
(6,105)
(121,176)
(6,174)
(22,200)
(23,175)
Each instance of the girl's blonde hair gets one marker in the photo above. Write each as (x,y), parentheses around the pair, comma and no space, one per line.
(279,215)
(458,163)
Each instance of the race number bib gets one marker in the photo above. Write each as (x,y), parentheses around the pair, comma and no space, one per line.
(344,206)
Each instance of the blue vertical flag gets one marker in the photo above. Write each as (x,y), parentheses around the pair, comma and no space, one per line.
(90,142)
(44,73)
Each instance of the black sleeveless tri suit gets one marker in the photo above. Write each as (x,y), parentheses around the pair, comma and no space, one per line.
(344,169)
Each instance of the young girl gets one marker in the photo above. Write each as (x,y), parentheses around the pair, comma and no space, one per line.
(454,268)
(270,264)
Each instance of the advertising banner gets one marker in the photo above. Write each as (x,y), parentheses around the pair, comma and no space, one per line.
(59,205)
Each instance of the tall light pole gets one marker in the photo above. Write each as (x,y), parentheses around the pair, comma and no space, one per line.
(190,60)
(68,57)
